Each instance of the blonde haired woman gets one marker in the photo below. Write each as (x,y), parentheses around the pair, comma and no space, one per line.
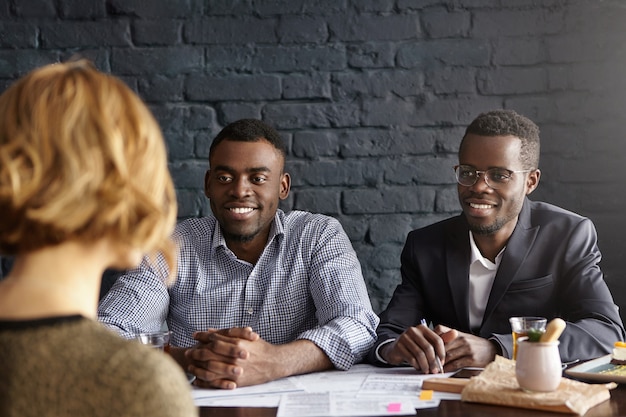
(84,186)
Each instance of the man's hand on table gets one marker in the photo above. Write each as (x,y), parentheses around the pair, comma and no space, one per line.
(230,358)
(465,349)
(418,346)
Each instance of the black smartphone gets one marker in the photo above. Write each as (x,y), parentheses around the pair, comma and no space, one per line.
(467,372)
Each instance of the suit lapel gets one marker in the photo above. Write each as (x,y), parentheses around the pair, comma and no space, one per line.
(514,256)
(457,264)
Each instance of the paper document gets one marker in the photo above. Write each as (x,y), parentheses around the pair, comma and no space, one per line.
(395,388)
(323,404)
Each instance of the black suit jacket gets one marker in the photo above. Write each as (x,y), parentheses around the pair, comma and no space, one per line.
(549,268)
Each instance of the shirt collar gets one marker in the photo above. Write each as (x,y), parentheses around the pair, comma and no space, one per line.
(477,256)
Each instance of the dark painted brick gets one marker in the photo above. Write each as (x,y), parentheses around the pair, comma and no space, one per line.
(450,111)
(356,227)
(318,201)
(420,170)
(34,8)
(309,86)
(302,29)
(444,23)
(165,60)
(192,203)
(98,56)
(390,228)
(230,30)
(17,63)
(200,117)
(202,142)
(538,109)
(373,27)
(381,285)
(180,144)
(81,9)
(229,7)
(516,22)
(595,17)
(202,87)
(596,47)
(18,35)
(4,84)
(511,80)
(75,34)
(155,9)
(329,57)
(386,256)
(451,80)
(385,142)
(5,9)
(519,51)
(159,88)
(386,200)
(380,83)
(448,138)
(171,118)
(371,54)
(189,174)
(157,32)
(463,52)
(278,7)
(224,59)
(373,5)
(388,112)
(315,144)
(325,173)
(232,111)
(304,115)
(447,200)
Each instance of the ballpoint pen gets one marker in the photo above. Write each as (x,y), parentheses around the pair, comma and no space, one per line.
(439,366)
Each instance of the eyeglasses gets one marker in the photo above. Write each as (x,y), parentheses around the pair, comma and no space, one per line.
(495,178)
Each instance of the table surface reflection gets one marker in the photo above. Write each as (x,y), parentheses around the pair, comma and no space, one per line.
(616,406)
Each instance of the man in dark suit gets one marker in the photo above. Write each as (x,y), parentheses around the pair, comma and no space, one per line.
(503,256)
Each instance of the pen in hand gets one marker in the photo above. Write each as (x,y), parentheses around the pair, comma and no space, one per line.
(439,366)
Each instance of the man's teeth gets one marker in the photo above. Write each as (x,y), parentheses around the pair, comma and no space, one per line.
(241,210)
(480,206)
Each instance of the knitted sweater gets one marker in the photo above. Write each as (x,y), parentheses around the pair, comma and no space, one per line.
(73,366)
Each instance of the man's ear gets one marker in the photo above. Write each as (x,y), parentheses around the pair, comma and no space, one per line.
(285,186)
(532,181)
(207,175)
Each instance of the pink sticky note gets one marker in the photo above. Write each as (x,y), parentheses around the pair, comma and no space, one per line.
(394,407)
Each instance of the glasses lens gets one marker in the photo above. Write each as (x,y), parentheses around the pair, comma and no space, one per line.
(466,175)
(497,177)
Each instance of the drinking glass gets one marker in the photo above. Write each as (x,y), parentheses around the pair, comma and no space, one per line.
(521,325)
(158,340)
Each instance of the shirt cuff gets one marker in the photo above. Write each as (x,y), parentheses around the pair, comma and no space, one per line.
(378,357)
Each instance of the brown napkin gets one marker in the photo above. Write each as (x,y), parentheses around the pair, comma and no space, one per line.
(497,385)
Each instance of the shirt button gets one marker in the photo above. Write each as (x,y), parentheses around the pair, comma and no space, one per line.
(250,311)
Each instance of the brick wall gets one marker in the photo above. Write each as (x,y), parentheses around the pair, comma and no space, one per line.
(372,96)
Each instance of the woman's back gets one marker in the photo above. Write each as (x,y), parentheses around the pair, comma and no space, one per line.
(73,366)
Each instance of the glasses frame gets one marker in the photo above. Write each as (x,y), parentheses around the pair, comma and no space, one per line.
(485,175)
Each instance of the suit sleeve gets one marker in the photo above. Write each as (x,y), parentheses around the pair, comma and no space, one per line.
(406,307)
(593,320)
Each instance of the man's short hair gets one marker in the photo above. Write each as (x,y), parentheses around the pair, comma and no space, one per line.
(81,158)
(505,123)
(250,130)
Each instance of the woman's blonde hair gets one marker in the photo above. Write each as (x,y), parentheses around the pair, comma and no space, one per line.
(82,158)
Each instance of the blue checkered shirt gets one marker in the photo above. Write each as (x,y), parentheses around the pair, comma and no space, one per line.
(307,284)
